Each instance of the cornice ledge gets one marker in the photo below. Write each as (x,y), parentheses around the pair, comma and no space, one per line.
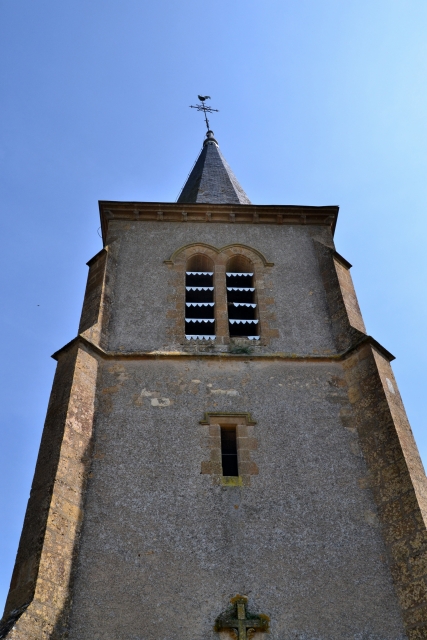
(341,259)
(217,213)
(374,343)
(96,256)
(279,355)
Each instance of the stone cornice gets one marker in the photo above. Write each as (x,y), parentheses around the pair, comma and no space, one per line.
(224,213)
(168,355)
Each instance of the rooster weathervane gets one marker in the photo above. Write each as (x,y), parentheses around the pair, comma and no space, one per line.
(205,108)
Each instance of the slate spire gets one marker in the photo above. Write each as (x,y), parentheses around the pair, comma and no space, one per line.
(211,179)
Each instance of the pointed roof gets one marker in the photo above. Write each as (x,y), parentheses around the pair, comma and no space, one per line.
(211,179)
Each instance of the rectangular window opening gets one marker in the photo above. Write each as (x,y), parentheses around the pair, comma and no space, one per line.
(229,451)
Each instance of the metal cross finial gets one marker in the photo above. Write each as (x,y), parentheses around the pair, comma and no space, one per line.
(203,107)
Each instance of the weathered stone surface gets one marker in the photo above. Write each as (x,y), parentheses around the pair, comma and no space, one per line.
(159,540)
(396,477)
(146,289)
(41,581)
(131,523)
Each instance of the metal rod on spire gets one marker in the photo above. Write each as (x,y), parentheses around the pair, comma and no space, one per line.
(205,108)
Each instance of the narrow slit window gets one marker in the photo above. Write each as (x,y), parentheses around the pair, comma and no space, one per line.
(242,307)
(199,299)
(230,465)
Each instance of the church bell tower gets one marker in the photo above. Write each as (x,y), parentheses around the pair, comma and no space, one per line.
(225,453)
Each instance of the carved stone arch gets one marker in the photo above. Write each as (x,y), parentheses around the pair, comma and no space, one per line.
(182,254)
(220,257)
(253,254)
(203,247)
(239,262)
(232,251)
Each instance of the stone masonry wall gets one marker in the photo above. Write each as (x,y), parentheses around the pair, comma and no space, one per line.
(343,309)
(38,601)
(93,293)
(164,548)
(145,290)
(345,280)
(324,531)
(396,477)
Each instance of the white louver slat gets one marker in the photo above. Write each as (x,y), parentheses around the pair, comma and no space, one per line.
(199,288)
(240,288)
(199,337)
(199,320)
(200,304)
(244,304)
(239,274)
(243,321)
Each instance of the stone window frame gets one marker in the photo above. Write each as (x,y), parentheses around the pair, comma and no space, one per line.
(220,257)
(246,443)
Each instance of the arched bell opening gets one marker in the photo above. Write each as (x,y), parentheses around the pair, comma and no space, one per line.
(200,262)
(242,307)
(199,298)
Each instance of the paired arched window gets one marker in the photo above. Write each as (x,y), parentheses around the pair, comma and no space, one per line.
(227,295)
(241,305)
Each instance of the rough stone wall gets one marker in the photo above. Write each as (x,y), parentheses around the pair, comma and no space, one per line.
(395,472)
(97,303)
(145,287)
(164,548)
(93,293)
(343,309)
(346,286)
(396,477)
(40,587)
(324,532)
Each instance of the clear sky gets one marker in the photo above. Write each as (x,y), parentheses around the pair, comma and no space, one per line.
(321,103)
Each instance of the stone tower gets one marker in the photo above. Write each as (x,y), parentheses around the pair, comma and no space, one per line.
(225,453)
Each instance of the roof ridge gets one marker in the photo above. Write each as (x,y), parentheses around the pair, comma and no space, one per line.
(188,175)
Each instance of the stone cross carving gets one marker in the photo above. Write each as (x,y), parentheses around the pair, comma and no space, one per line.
(239,620)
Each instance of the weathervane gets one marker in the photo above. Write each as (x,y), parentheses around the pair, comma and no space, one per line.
(203,107)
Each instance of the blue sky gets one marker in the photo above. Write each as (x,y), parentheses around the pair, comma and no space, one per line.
(320,103)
